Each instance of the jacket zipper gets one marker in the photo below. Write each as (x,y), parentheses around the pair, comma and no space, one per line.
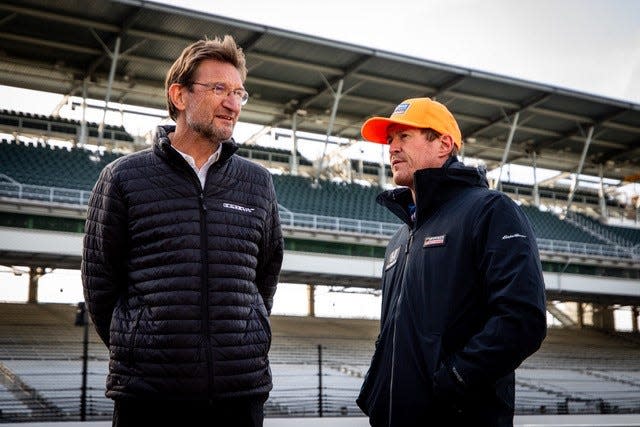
(395,323)
(204,272)
(204,285)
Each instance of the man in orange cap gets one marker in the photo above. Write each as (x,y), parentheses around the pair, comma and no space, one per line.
(462,289)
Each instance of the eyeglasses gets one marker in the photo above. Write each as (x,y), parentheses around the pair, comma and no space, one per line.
(221,89)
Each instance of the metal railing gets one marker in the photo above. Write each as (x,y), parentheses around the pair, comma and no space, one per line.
(602,232)
(336,224)
(579,248)
(302,221)
(80,198)
(70,196)
(313,377)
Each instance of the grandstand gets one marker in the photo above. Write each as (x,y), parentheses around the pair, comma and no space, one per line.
(317,363)
(588,237)
(48,127)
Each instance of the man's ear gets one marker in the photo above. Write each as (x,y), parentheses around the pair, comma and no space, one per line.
(446,145)
(176,95)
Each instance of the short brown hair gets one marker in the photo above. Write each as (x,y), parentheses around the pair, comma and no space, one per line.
(185,66)
(432,135)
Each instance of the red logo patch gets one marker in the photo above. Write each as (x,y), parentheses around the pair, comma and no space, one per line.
(430,241)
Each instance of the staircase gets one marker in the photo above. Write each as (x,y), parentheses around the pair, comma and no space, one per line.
(26,394)
(601,233)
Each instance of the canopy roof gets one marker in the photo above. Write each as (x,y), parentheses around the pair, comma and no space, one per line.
(55,45)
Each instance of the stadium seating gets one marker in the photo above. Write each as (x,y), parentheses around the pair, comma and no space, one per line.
(50,166)
(76,169)
(575,371)
(270,156)
(623,235)
(549,226)
(369,168)
(57,127)
(342,200)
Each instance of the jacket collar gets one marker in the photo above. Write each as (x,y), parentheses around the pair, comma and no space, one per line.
(162,146)
(434,187)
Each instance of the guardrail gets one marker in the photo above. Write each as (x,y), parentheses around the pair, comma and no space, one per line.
(70,196)
(337,224)
(79,198)
(578,248)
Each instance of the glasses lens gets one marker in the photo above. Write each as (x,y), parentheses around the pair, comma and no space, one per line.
(220,89)
(244,97)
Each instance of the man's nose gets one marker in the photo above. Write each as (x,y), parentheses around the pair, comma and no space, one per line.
(232,102)
(394,147)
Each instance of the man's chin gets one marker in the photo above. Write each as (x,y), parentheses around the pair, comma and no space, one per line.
(400,181)
(217,135)
(224,133)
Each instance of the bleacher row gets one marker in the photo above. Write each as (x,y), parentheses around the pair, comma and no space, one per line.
(45,167)
(58,126)
(575,371)
(269,155)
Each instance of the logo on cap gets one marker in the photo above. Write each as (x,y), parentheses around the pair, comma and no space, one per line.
(401,108)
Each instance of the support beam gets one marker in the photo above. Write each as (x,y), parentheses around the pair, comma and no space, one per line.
(507,148)
(603,317)
(580,314)
(311,300)
(634,318)
(83,123)
(35,273)
(58,107)
(601,193)
(107,97)
(564,318)
(294,149)
(536,187)
(334,110)
(382,174)
(576,180)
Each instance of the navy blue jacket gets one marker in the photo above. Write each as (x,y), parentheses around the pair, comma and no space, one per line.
(462,305)
(179,279)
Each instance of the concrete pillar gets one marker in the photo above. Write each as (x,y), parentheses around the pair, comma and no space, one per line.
(635,311)
(382,173)
(35,273)
(311,292)
(294,149)
(603,317)
(580,315)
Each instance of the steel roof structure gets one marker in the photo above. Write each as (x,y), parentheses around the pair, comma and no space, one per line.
(122,49)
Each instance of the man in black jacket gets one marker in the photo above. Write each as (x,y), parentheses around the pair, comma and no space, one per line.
(182,253)
(462,289)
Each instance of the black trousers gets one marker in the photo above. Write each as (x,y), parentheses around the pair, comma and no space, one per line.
(238,412)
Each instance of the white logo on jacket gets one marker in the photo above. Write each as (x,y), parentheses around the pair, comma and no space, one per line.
(513,236)
(237,207)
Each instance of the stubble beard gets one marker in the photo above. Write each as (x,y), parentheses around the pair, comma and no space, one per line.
(400,179)
(209,131)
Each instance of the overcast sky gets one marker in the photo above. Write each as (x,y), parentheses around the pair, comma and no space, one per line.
(590,46)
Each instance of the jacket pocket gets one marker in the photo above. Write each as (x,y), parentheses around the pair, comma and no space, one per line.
(415,363)
(134,334)
(374,394)
(364,397)
(261,314)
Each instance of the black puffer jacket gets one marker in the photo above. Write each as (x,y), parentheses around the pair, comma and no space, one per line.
(179,280)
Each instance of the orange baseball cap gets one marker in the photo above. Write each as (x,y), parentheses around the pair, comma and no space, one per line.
(416,112)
